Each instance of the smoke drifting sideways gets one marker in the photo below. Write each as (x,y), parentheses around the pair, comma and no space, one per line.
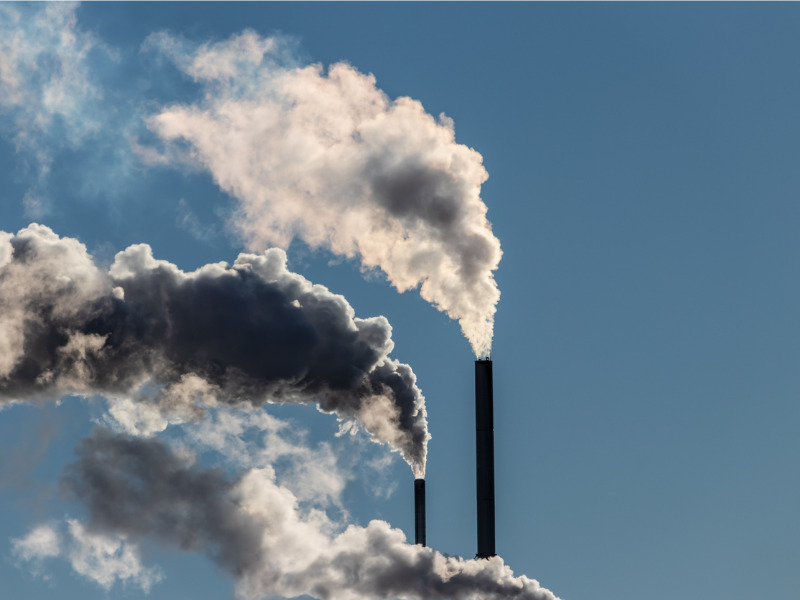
(161,343)
(328,157)
(254,529)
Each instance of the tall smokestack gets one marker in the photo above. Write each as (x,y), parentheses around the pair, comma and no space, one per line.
(484,453)
(419,511)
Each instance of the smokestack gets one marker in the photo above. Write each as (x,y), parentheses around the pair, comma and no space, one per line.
(484,453)
(419,512)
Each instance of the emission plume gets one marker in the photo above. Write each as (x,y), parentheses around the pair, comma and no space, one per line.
(254,529)
(326,156)
(162,343)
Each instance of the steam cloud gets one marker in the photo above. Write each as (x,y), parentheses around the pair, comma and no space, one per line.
(139,488)
(329,158)
(163,343)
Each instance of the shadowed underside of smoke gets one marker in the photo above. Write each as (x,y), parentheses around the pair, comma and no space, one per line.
(325,155)
(171,341)
(255,529)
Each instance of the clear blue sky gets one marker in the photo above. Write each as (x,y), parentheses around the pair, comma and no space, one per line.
(644,186)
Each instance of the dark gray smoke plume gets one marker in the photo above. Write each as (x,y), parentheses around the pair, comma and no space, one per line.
(168,342)
(140,487)
(254,529)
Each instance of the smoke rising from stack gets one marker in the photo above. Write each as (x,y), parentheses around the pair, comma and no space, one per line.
(255,530)
(326,156)
(167,342)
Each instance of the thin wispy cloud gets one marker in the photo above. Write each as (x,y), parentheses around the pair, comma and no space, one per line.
(104,559)
(48,94)
(253,439)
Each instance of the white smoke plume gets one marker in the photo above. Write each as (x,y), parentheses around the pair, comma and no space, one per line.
(326,156)
(255,529)
(166,343)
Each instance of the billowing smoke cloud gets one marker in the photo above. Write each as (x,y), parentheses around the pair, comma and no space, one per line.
(164,342)
(327,157)
(254,529)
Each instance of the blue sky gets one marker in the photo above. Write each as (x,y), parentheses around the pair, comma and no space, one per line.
(644,191)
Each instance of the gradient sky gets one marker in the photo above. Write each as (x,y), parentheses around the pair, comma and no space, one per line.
(643,183)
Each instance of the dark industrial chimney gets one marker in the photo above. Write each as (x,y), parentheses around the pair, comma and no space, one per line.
(419,511)
(484,453)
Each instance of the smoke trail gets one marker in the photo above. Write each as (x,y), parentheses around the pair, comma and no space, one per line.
(254,529)
(169,342)
(329,158)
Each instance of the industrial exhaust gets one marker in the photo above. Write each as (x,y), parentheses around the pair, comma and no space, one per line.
(419,512)
(484,454)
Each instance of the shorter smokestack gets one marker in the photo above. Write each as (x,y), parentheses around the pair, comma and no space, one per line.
(419,512)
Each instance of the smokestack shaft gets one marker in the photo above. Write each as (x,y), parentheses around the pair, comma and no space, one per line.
(419,511)
(484,453)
